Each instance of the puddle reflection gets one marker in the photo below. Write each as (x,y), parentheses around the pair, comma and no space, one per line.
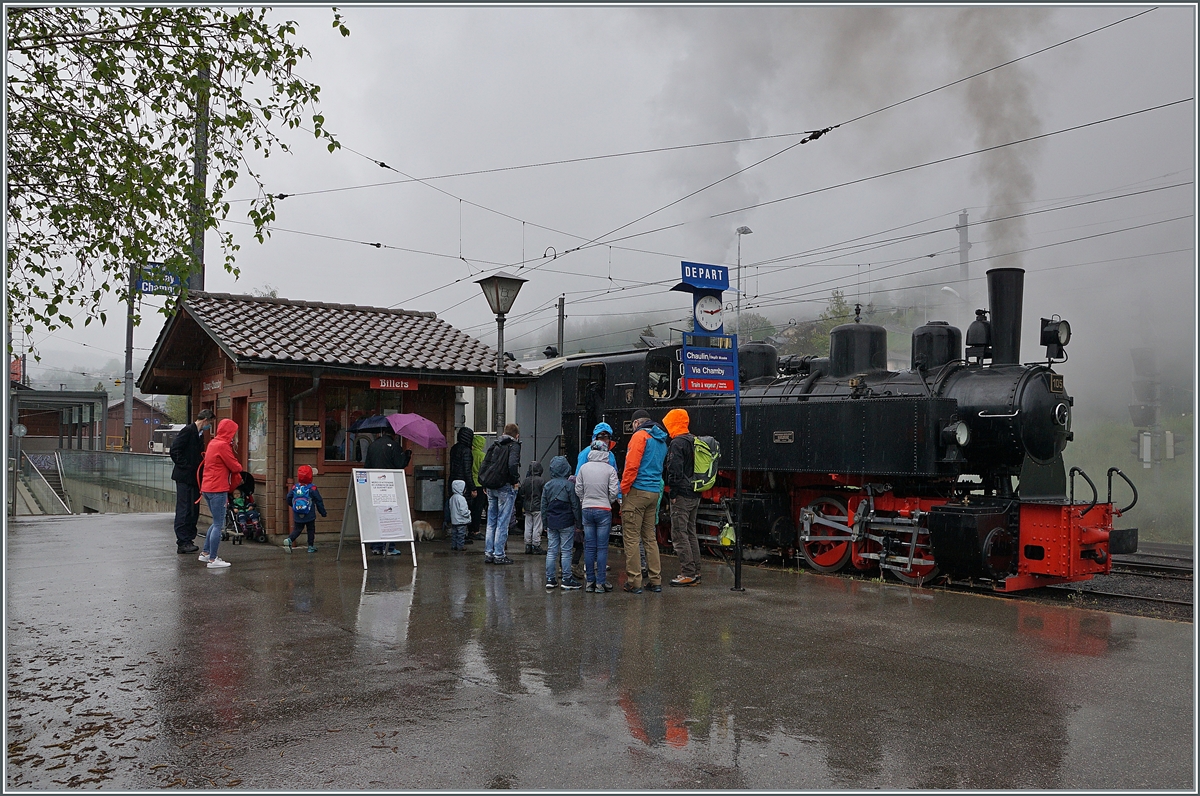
(385,605)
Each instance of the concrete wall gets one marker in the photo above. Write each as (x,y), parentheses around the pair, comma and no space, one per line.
(103,499)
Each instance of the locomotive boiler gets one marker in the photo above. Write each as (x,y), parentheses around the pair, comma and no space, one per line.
(950,468)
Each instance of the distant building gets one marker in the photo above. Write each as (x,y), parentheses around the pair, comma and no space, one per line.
(146,418)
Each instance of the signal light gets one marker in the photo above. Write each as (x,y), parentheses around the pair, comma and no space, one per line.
(1056,333)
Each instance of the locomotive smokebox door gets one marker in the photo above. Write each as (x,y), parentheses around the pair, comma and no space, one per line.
(977,541)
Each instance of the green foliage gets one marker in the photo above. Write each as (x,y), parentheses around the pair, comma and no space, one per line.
(1164,509)
(813,337)
(101,111)
(754,327)
(177,409)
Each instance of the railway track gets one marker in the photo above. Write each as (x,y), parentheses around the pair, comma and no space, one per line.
(1156,582)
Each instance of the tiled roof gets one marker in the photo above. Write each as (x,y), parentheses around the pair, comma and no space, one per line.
(312,332)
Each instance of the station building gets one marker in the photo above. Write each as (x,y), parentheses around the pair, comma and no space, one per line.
(295,375)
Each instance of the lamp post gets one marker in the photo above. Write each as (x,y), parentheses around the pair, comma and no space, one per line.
(738,312)
(737,448)
(500,290)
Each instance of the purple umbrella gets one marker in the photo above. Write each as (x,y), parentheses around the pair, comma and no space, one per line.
(420,430)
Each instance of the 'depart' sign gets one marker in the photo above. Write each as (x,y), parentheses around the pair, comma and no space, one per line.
(383,383)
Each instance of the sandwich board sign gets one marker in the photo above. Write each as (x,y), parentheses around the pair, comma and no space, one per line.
(377,511)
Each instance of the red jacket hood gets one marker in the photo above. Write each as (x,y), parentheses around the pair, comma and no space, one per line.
(227,430)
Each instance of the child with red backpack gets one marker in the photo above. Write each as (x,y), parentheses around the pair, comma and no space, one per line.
(305,502)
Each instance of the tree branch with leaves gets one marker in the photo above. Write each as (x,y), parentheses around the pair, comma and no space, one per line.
(101,109)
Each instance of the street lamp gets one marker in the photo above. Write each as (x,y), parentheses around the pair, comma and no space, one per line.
(500,290)
(738,313)
(737,450)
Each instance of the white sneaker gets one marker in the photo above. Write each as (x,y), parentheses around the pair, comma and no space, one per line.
(204,557)
(218,563)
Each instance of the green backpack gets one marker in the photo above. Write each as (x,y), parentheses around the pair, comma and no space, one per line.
(707,453)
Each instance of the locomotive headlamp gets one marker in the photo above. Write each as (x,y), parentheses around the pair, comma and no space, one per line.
(1056,333)
(956,434)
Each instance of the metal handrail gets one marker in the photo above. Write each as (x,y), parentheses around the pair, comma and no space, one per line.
(43,493)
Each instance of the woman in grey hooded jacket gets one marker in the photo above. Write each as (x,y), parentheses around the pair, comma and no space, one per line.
(597,486)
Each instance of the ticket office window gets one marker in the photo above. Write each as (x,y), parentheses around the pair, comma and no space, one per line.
(342,406)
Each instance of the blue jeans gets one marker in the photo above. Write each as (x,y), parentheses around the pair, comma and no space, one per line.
(458,536)
(560,544)
(596,525)
(500,510)
(216,506)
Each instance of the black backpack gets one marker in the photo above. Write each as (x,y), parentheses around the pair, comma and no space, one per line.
(493,473)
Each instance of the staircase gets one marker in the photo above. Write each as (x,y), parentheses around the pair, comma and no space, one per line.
(55,481)
(47,465)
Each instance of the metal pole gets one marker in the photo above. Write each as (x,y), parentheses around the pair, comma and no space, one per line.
(562,315)
(737,463)
(125,445)
(500,407)
(738,311)
(200,182)
(964,268)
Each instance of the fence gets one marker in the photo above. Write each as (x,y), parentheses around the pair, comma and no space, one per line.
(145,474)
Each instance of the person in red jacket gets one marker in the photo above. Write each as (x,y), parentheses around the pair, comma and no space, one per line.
(220,467)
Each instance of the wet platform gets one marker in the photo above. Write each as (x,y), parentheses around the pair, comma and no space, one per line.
(132,667)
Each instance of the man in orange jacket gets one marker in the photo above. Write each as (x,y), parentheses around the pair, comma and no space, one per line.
(642,486)
(220,467)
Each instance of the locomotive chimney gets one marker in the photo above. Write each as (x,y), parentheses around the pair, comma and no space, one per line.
(1005,294)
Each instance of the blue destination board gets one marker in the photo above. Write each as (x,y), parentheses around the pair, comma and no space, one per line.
(711,368)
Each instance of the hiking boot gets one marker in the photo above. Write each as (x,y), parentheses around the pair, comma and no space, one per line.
(187,547)
(487,558)
(552,584)
(528,549)
(571,585)
(607,587)
(503,560)
(683,580)
(538,551)
(632,589)
(654,587)
(287,544)
(312,549)
(591,588)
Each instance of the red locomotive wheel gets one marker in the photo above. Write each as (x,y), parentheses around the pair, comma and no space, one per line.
(924,568)
(826,555)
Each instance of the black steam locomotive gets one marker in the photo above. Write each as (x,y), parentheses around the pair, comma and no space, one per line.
(953,466)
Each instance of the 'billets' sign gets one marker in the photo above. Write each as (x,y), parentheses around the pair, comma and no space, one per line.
(711,277)
(393,384)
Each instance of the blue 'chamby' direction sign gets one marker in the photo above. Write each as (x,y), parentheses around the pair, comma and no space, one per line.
(710,277)
(168,284)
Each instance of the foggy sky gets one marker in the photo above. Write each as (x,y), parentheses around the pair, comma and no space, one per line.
(437,91)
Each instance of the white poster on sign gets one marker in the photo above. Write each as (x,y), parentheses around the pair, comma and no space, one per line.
(391,523)
(383,488)
(377,510)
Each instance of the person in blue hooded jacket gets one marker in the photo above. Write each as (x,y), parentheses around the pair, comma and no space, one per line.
(642,485)
(561,515)
(603,432)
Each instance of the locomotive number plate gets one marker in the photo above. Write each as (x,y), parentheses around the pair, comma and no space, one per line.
(1056,383)
(783,437)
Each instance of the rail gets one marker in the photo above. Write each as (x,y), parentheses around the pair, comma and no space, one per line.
(47,499)
(145,474)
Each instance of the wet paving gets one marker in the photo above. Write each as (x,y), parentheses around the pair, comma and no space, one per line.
(132,667)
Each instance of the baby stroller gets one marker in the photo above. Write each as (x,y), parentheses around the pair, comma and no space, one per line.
(244,520)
